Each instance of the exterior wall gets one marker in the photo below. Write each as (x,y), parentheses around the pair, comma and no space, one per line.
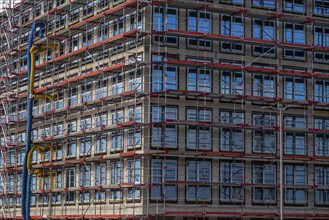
(144,205)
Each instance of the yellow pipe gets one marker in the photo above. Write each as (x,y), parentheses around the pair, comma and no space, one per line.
(37,172)
(30,154)
(38,49)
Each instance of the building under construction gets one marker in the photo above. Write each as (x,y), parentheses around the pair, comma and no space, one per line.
(164,109)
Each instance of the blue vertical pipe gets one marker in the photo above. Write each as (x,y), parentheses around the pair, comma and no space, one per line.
(26,187)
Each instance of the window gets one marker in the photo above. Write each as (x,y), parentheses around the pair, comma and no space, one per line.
(22,108)
(101,119)
(135,81)
(102,4)
(19,182)
(44,199)
(56,198)
(133,194)
(263,29)
(164,77)
(134,138)
(295,175)
(232,25)
(163,170)
(321,91)
(88,37)
(45,132)
(321,145)
(72,99)
(232,1)
(295,122)
(58,179)
(321,35)
(37,11)
(70,197)
(116,141)
(134,171)
(88,8)
(87,92)
(231,172)
(101,89)
(60,21)
(85,123)
(321,7)
(264,85)
(58,153)
(321,123)
(135,114)
(294,143)
(231,47)
(72,126)
(44,182)
(101,143)
(85,175)
(199,80)
(59,2)
(295,88)
(232,83)
(116,172)
(58,129)
(264,3)
(199,43)
(294,54)
(136,20)
(118,26)
(264,174)
(75,42)
(199,21)
(117,84)
(264,142)
(11,183)
(33,200)
(164,19)
(198,171)
(100,195)
(85,146)
(21,137)
(115,195)
(24,38)
(20,156)
(198,114)
(103,30)
(322,179)
(117,117)
(100,174)
(160,113)
(70,177)
(294,33)
(231,117)
(164,136)
(321,39)
(231,139)
(294,5)
(264,119)
(198,138)
(84,196)
(72,148)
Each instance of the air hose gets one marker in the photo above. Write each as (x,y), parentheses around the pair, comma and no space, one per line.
(26,188)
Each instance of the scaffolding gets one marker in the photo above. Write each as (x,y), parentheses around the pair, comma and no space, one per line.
(143,127)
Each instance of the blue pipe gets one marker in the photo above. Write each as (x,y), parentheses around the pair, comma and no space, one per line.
(26,187)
